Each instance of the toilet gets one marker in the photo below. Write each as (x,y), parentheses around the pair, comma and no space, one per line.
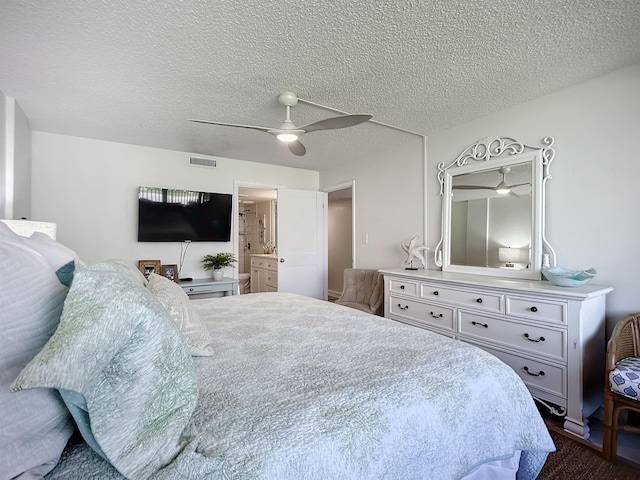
(244,283)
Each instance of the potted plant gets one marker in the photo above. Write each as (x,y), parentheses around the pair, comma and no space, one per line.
(217,262)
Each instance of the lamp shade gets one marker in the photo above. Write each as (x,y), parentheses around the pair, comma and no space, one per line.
(509,255)
(27,227)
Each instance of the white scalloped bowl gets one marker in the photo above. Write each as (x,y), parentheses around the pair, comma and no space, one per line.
(568,278)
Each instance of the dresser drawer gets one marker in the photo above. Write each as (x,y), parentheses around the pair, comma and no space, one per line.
(271,279)
(404,287)
(530,339)
(194,289)
(543,376)
(271,264)
(267,263)
(422,314)
(536,309)
(490,302)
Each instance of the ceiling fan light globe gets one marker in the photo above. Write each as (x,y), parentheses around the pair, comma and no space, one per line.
(287,137)
(503,188)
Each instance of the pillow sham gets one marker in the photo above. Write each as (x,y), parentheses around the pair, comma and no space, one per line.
(60,257)
(177,303)
(35,424)
(118,349)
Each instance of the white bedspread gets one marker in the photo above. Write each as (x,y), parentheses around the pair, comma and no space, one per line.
(303,389)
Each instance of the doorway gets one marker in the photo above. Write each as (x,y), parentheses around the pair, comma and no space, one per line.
(257,232)
(341,235)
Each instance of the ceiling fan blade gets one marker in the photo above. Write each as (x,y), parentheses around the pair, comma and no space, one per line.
(519,185)
(297,148)
(251,127)
(343,121)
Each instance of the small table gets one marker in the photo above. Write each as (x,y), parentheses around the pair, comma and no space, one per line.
(207,287)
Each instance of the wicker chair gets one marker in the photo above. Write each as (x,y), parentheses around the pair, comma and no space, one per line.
(363,289)
(622,382)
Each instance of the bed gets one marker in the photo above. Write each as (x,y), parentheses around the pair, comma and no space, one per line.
(259,386)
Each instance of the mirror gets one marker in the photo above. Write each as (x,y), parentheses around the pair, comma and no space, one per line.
(493,210)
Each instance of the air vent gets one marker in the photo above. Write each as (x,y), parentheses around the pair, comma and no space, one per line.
(203,162)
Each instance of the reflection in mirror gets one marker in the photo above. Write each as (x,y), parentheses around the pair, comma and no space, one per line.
(493,209)
(491,218)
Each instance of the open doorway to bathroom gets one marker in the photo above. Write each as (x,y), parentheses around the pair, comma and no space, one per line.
(340,244)
(257,232)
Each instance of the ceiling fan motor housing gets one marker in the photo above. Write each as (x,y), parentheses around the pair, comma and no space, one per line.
(288,99)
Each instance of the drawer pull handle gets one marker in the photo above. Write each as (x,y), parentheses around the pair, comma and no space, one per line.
(480,324)
(479,300)
(539,374)
(534,309)
(191,289)
(435,316)
(436,293)
(541,339)
(401,287)
(406,307)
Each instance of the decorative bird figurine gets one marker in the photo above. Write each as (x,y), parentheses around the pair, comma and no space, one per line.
(414,251)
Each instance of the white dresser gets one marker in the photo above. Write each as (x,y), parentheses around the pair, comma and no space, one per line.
(264,273)
(553,337)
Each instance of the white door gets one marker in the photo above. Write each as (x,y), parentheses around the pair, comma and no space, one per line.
(302,245)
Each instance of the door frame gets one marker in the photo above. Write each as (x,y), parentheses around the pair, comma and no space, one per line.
(334,188)
(343,186)
(235,210)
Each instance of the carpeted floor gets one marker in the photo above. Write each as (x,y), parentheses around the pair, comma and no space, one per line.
(575,461)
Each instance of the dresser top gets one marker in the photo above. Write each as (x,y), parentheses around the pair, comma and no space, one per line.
(530,286)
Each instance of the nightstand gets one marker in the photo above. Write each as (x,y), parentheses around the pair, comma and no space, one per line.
(208,287)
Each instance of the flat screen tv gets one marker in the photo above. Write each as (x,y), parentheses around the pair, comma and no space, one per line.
(170,215)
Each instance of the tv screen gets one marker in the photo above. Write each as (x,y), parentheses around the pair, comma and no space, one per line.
(168,215)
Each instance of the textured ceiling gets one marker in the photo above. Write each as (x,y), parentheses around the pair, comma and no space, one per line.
(135,71)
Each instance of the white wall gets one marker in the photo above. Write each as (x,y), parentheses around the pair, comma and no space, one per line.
(89,188)
(592,198)
(15,160)
(388,202)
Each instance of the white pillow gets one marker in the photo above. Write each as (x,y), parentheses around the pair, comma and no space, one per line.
(35,424)
(123,266)
(176,302)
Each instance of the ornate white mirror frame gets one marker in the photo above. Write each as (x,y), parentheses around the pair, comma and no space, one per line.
(499,156)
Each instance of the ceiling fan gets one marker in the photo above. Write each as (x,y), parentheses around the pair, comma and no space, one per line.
(503,188)
(289,133)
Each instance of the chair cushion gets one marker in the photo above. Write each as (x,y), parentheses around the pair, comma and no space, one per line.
(625,378)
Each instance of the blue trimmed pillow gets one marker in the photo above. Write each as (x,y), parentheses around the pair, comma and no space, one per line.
(119,351)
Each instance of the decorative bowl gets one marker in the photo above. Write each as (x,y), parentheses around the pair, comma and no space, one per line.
(568,278)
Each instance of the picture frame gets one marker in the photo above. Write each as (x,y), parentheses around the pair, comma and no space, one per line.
(149,266)
(170,272)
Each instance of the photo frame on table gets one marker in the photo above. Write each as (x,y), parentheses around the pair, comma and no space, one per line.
(149,266)
(170,272)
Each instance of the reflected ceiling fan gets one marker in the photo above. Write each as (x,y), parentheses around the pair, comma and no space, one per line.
(289,133)
(503,188)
